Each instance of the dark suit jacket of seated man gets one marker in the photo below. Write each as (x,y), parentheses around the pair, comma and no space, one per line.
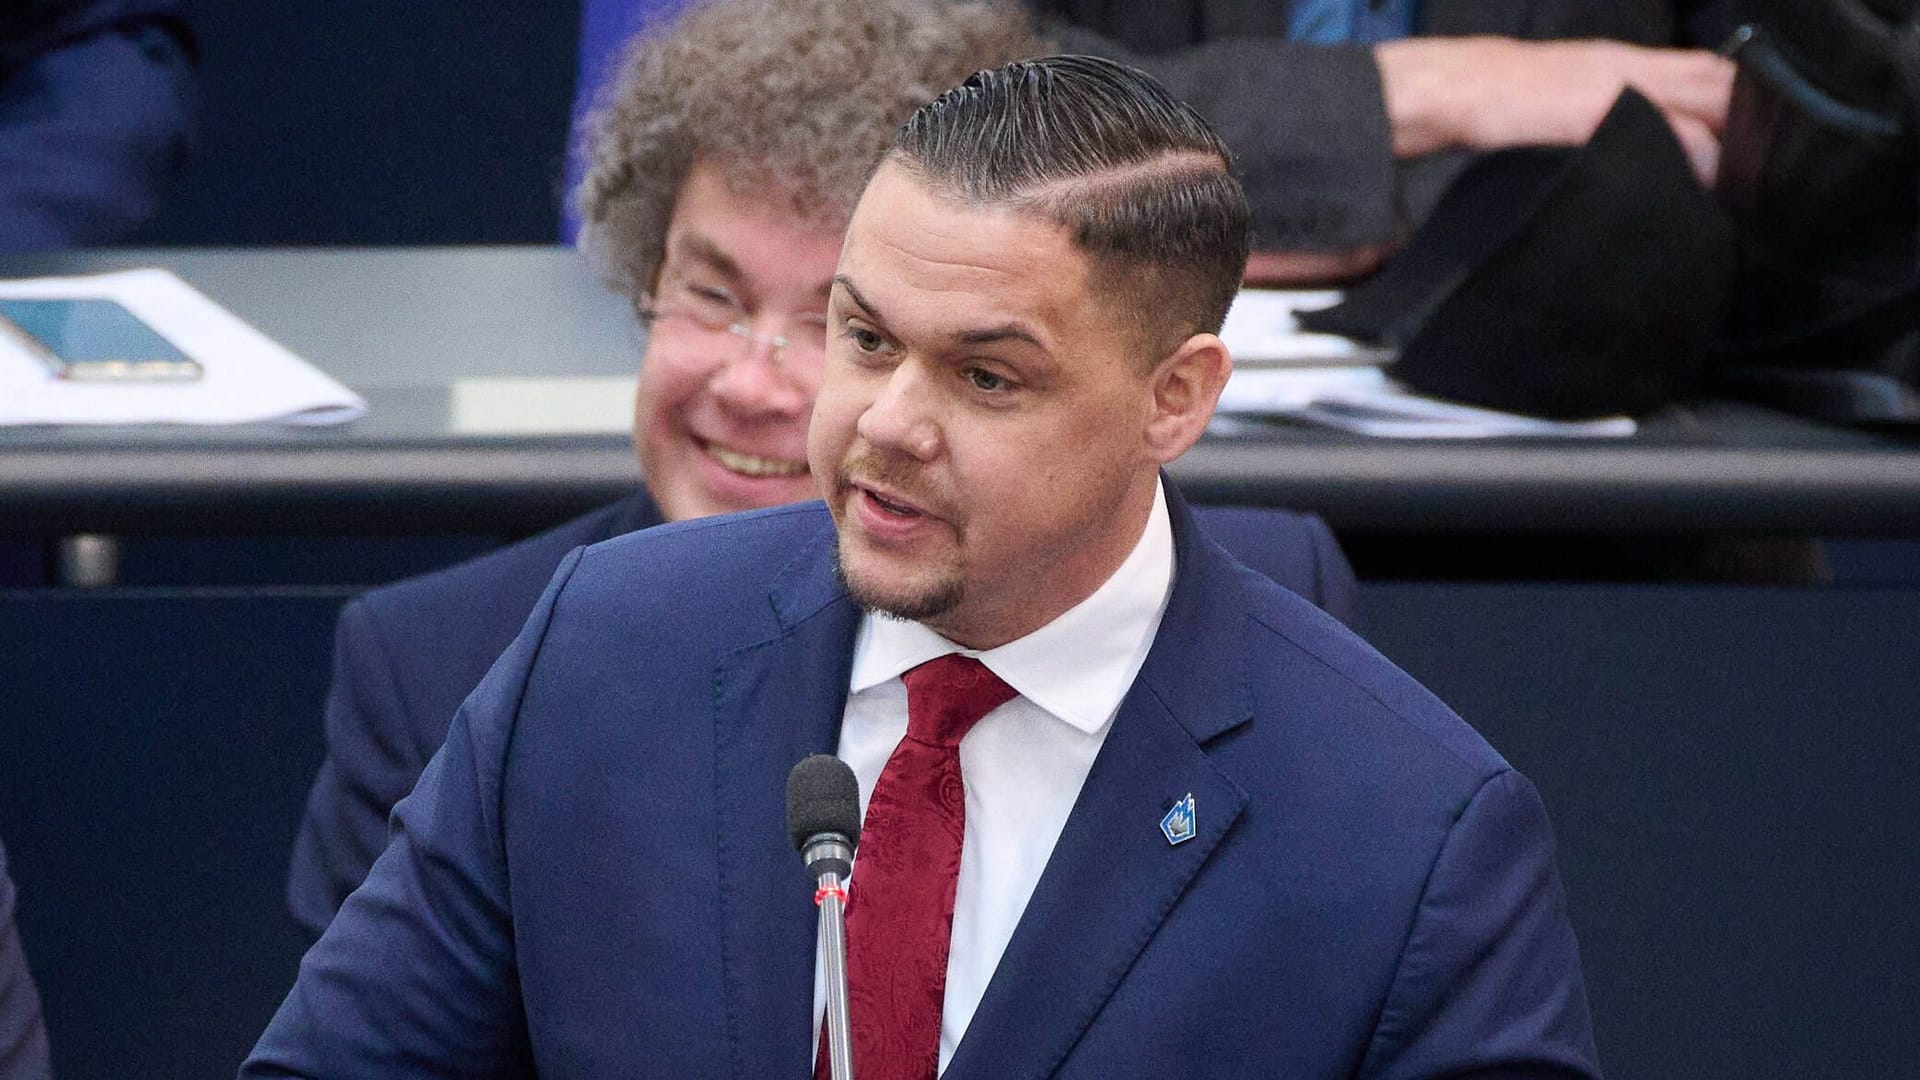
(406,655)
(96,107)
(1268,853)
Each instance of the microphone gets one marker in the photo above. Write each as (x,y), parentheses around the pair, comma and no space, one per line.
(823,821)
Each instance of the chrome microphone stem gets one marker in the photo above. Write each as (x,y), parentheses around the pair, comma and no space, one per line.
(833,959)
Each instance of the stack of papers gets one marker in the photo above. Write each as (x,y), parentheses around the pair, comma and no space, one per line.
(246,377)
(1283,372)
(1262,331)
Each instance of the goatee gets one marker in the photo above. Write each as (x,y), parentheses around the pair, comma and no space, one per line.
(920,606)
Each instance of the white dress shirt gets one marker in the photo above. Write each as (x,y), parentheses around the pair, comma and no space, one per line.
(1024,763)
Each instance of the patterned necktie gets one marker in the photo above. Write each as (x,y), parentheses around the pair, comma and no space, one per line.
(900,907)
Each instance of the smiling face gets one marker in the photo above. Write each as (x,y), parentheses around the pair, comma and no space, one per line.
(720,420)
(987,433)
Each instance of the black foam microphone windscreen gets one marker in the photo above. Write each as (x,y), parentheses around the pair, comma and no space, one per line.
(822,797)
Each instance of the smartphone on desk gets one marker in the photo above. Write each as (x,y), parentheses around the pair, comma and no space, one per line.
(95,341)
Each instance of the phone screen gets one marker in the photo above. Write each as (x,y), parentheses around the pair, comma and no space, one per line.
(95,340)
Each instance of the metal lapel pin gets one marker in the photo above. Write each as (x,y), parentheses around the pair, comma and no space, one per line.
(1179,825)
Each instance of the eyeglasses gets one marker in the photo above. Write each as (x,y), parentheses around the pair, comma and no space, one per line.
(709,324)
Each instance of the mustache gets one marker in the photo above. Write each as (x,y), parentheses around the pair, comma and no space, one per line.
(896,473)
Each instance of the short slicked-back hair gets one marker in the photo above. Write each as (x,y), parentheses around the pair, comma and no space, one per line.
(1139,181)
(792,100)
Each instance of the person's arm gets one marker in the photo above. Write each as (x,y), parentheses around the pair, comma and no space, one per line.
(417,975)
(1490,93)
(1489,981)
(372,762)
(23,1036)
(94,128)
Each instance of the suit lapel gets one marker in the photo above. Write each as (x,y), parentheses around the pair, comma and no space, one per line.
(1113,877)
(775,702)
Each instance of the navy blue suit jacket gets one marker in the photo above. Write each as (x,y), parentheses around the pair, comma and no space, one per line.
(593,877)
(406,655)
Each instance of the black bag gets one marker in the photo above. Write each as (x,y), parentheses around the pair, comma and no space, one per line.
(1820,175)
(1565,283)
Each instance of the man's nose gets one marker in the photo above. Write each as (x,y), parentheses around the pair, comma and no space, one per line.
(902,416)
(755,379)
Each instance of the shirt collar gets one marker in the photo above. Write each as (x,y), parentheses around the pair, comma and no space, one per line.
(1076,667)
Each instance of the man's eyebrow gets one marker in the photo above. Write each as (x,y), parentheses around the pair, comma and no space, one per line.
(696,246)
(986,335)
(989,335)
(844,282)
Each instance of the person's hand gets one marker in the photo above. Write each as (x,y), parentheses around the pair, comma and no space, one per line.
(1488,93)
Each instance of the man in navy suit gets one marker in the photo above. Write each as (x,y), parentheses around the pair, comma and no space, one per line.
(1203,829)
(717,198)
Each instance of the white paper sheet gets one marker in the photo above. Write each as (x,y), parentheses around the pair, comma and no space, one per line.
(1396,414)
(247,377)
(1262,330)
(1365,401)
(1283,372)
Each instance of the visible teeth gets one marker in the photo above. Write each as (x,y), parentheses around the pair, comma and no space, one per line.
(893,507)
(752,465)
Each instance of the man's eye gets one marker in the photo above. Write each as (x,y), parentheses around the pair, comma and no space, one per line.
(711,297)
(983,379)
(864,339)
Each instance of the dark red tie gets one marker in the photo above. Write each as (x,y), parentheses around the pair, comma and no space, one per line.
(900,907)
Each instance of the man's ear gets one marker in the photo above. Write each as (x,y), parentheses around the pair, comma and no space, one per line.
(1186,384)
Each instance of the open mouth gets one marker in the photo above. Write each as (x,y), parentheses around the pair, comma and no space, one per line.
(897,509)
(753,464)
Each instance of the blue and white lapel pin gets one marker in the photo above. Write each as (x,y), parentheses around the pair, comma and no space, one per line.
(1179,825)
